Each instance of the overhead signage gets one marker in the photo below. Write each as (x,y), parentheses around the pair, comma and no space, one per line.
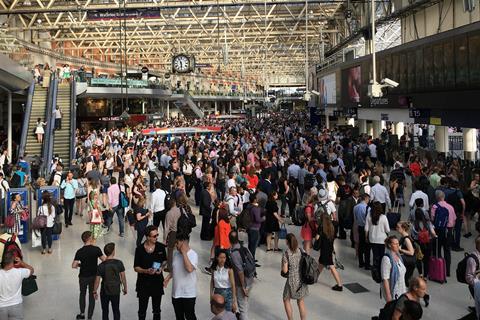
(384,116)
(144,69)
(419,113)
(203,65)
(379,102)
(351,112)
(435,121)
(337,113)
(123,14)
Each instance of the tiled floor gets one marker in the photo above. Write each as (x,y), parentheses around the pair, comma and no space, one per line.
(58,286)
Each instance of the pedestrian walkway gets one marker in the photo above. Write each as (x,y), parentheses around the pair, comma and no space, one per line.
(57,298)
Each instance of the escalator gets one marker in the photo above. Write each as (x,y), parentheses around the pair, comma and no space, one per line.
(36,108)
(189,109)
(62,138)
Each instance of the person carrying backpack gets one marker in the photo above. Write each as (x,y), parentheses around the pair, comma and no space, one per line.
(294,287)
(112,273)
(456,200)
(407,306)
(443,217)
(471,267)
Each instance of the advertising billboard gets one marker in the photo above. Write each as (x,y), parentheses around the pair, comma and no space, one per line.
(352,85)
(327,89)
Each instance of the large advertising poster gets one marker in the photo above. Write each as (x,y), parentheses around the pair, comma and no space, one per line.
(327,89)
(352,85)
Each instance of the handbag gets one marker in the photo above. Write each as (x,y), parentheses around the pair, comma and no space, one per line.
(57,227)
(39,222)
(317,243)
(25,214)
(282,233)
(9,221)
(285,274)
(29,285)
(36,240)
(96,217)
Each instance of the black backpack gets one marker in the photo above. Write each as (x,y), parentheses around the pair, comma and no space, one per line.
(308,269)
(386,313)
(454,200)
(244,219)
(10,246)
(166,204)
(15,181)
(186,222)
(248,262)
(462,267)
(298,216)
(309,181)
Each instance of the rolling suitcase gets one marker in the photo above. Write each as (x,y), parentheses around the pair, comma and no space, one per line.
(437,268)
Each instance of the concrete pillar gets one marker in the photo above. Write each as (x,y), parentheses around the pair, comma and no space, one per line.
(470,143)
(351,122)
(10,126)
(377,128)
(362,126)
(168,110)
(216,106)
(341,121)
(370,129)
(441,139)
(383,125)
(230,107)
(399,129)
(327,121)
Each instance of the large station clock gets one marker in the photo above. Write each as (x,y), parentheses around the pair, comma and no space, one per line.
(183,63)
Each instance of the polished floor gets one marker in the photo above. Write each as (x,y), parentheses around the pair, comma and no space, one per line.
(57,298)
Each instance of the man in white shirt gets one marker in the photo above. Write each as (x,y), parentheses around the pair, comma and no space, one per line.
(419,194)
(187,170)
(11,287)
(58,118)
(151,172)
(157,205)
(329,205)
(184,289)
(379,193)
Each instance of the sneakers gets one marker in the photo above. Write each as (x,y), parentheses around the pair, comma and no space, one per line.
(467,235)
(80,317)
(337,288)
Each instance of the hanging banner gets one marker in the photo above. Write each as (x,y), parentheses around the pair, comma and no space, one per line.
(123,14)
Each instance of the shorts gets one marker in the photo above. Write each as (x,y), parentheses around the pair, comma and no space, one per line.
(104,189)
(81,197)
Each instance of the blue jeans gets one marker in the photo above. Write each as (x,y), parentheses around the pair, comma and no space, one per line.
(121,218)
(228,295)
(253,239)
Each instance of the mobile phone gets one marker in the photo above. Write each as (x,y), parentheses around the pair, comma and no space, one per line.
(156,266)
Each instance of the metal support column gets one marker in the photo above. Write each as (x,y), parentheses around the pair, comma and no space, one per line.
(10,125)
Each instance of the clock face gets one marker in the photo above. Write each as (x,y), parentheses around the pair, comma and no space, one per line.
(181,63)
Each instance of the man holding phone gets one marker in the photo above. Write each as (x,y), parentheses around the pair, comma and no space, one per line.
(150,261)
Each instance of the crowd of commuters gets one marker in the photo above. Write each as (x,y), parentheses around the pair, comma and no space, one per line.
(247,182)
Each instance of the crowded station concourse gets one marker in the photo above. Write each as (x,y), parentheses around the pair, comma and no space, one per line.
(239,160)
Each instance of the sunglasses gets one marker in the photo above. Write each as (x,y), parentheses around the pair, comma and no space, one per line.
(154,235)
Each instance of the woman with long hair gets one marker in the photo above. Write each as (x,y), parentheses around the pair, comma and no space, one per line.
(376,231)
(326,236)
(423,232)
(294,288)
(47,209)
(223,281)
(39,130)
(392,271)
(309,229)
(16,209)
(95,215)
(407,249)
(272,222)
(105,183)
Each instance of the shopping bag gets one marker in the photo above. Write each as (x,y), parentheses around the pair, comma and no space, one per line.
(36,239)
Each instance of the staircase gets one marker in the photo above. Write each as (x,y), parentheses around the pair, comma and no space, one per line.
(39,109)
(62,137)
(188,108)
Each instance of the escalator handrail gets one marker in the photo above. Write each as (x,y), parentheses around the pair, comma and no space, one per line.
(73,118)
(48,141)
(26,120)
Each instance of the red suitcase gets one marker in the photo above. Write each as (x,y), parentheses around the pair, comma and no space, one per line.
(437,268)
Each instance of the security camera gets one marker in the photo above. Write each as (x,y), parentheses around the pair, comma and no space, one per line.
(390,83)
